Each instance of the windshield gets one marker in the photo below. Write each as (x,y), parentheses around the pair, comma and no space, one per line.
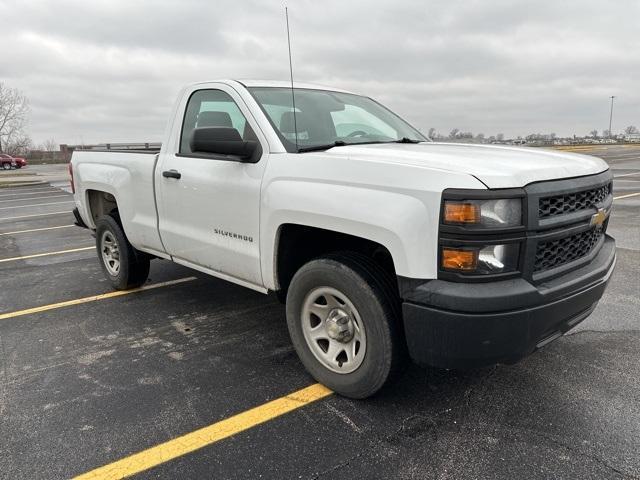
(325,119)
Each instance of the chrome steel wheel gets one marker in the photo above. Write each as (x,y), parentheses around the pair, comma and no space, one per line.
(333,330)
(110,253)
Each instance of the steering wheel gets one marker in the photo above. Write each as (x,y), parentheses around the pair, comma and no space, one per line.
(358,133)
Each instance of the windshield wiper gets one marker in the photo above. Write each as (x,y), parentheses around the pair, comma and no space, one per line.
(337,143)
(340,143)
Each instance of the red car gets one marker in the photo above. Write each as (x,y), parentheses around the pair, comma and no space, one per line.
(20,162)
(7,161)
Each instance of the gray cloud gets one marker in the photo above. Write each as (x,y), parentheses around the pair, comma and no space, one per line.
(109,70)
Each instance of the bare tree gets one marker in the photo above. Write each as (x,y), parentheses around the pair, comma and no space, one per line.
(19,144)
(594,133)
(454,133)
(432,133)
(606,133)
(14,108)
(631,129)
(500,137)
(50,146)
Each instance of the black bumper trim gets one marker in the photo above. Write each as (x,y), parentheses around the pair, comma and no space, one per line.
(448,338)
(505,295)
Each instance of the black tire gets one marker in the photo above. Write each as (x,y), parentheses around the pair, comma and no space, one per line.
(133,265)
(6,166)
(369,288)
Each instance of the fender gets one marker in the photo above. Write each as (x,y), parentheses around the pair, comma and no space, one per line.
(404,221)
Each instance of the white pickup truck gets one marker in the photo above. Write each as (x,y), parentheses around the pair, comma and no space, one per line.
(381,241)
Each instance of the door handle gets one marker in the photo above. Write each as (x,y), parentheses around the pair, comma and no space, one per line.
(172,174)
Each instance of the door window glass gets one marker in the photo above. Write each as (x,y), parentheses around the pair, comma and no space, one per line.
(212,108)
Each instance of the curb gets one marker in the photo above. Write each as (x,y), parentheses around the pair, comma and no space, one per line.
(21,184)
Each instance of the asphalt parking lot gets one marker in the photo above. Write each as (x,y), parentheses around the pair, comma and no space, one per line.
(88,378)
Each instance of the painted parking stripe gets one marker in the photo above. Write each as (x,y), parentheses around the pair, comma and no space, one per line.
(626,174)
(203,437)
(34,198)
(94,298)
(27,188)
(34,215)
(47,254)
(41,192)
(24,191)
(36,205)
(18,232)
(627,196)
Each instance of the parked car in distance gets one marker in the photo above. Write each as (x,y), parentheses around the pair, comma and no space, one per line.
(20,162)
(6,161)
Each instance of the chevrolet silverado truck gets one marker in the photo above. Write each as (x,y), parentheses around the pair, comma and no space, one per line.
(380,241)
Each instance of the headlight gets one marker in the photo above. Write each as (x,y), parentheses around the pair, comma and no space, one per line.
(506,212)
(501,258)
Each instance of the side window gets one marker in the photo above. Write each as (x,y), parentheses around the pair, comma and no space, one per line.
(212,108)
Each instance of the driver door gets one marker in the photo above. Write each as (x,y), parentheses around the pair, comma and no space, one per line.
(209,204)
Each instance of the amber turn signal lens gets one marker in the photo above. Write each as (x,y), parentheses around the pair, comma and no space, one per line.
(465,260)
(456,212)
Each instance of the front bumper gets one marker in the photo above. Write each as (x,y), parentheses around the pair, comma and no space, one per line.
(468,325)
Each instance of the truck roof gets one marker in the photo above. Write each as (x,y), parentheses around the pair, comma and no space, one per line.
(275,83)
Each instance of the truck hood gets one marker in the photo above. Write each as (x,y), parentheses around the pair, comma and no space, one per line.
(495,166)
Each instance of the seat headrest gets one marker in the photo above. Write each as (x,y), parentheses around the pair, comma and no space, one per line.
(214,119)
(288,125)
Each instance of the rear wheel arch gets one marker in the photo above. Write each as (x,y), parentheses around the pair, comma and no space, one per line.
(101,203)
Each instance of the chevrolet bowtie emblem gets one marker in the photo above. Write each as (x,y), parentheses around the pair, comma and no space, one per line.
(598,218)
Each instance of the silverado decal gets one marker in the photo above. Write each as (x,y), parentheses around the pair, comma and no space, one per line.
(225,233)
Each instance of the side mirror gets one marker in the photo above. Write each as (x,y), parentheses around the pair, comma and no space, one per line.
(223,141)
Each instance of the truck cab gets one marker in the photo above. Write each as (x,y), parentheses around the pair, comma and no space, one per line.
(379,240)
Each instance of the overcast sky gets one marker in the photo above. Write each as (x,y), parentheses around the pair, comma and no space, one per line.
(98,71)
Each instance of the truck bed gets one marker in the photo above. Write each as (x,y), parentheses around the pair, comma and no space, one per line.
(129,176)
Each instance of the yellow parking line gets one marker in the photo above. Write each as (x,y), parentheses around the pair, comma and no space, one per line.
(198,439)
(36,255)
(94,298)
(36,230)
(36,205)
(626,196)
(34,215)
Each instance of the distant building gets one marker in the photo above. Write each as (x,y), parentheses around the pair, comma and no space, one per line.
(632,137)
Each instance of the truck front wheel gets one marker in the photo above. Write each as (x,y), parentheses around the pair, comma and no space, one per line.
(343,316)
(123,265)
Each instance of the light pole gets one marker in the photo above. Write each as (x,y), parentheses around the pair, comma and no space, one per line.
(611,114)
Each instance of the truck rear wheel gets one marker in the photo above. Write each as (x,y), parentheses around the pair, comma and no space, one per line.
(343,319)
(123,265)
